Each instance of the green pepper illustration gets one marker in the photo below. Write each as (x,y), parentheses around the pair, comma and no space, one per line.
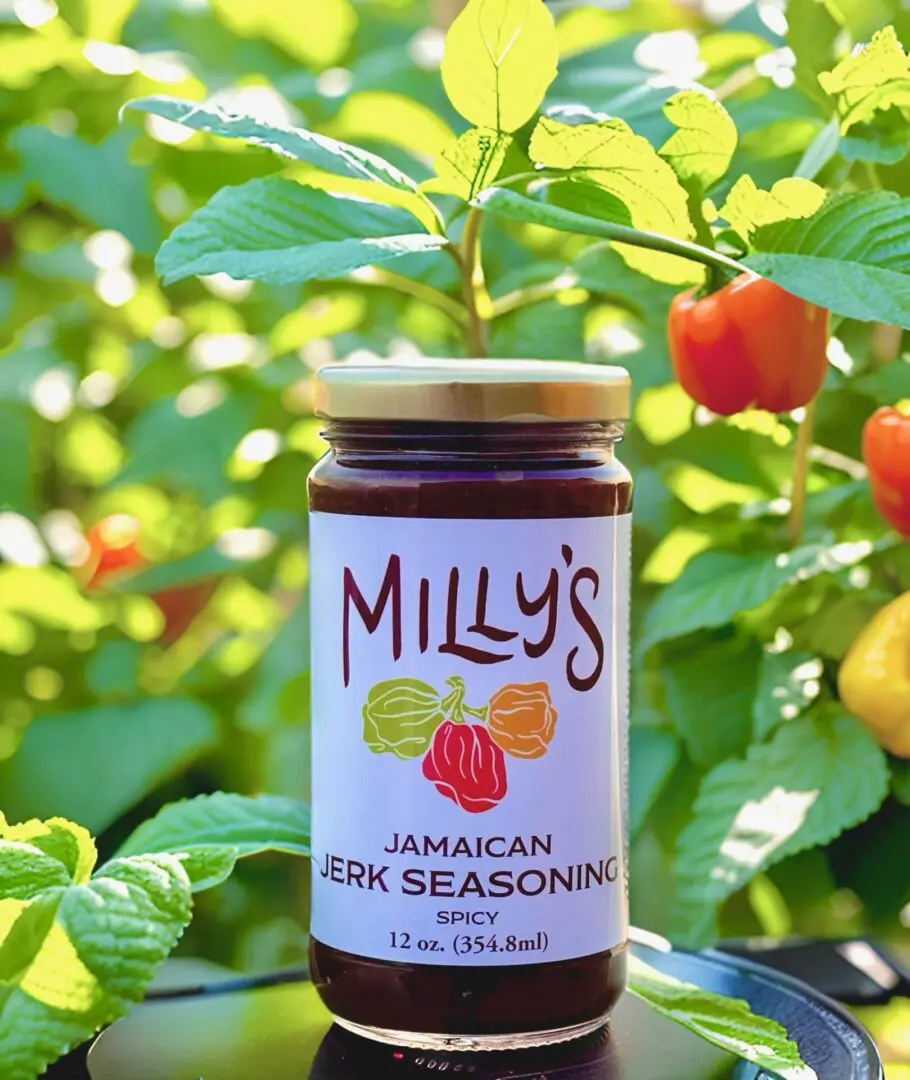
(400,717)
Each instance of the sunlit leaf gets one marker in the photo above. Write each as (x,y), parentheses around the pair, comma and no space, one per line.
(787,686)
(701,148)
(302,145)
(626,166)
(500,57)
(818,775)
(278,231)
(313,33)
(875,78)
(727,1023)
(747,207)
(69,972)
(852,256)
(473,161)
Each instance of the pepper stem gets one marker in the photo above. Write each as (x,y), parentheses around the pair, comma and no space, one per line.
(453,703)
(804,435)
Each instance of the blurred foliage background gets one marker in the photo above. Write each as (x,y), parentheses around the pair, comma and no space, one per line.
(184,415)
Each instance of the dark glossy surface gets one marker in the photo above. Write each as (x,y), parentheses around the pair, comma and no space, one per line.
(281,1032)
(470,471)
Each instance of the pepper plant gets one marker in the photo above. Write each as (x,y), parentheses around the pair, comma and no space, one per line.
(326,191)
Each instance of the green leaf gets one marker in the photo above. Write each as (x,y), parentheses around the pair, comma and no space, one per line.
(882,143)
(748,207)
(316,35)
(96,182)
(872,79)
(717,726)
(324,153)
(509,204)
(701,148)
(283,662)
(725,1022)
(166,443)
(718,585)
(282,232)
(852,256)
(500,57)
(818,775)
(49,596)
(74,972)
(473,161)
(787,686)
(550,330)
(93,764)
(819,152)
(610,155)
(70,844)
(653,754)
(247,826)
(26,871)
(208,865)
(113,669)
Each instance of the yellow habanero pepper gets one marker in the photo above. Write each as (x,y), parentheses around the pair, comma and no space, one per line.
(874,678)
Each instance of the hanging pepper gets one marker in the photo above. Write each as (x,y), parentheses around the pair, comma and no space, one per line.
(874,678)
(750,343)
(886,450)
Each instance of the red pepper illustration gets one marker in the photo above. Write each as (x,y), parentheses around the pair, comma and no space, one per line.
(466,766)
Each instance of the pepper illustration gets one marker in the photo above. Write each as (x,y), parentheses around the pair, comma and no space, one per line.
(522,719)
(874,678)
(466,766)
(400,717)
(749,343)
(886,450)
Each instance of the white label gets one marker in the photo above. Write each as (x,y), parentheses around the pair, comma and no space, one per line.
(469,698)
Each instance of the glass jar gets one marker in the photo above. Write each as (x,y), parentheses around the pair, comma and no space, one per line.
(469,534)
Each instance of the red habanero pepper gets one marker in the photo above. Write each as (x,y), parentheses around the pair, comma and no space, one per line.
(750,343)
(886,451)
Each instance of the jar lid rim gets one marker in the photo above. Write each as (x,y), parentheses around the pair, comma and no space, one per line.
(492,391)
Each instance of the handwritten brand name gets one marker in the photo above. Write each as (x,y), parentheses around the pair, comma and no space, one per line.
(480,641)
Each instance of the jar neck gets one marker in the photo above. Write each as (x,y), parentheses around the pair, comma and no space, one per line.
(428,445)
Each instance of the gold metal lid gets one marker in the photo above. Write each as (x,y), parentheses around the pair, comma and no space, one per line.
(473,391)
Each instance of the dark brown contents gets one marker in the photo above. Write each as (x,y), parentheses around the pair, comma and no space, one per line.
(469,471)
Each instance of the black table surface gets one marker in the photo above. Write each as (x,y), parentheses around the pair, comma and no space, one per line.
(276,1029)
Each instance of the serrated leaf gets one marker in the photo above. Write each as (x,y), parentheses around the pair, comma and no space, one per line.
(282,232)
(208,865)
(124,751)
(249,826)
(747,207)
(787,686)
(874,78)
(500,57)
(725,1022)
(718,585)
(473,161)
(818,775)
(610,155)
(26,871)
(84,954)
(851,256)
(324,153)
(701,148)
(68,843)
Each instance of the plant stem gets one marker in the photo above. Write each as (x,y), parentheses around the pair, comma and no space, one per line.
(533,294)
(801,463)
(385,278)
(473,286)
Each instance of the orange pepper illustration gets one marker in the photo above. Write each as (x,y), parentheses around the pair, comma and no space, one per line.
(522,719)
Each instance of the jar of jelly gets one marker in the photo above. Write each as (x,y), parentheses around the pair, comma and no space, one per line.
(469,534)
